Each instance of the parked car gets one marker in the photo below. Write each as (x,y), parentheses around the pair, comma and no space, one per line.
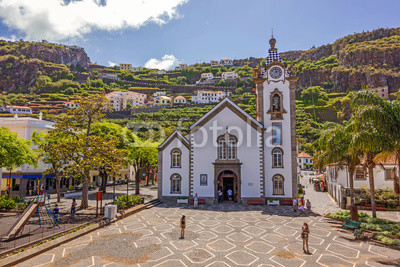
(110,183)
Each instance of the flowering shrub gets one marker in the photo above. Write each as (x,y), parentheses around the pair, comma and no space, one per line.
(124,202)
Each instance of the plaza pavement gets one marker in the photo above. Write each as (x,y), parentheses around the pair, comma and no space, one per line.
(221,235)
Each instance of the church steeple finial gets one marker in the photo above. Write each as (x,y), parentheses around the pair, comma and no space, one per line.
(272,43)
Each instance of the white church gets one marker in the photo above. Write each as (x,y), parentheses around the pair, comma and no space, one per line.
(229,149)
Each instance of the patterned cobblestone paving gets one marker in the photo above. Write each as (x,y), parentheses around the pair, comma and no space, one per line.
(219,235)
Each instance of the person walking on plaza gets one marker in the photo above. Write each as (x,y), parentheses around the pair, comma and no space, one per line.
(230,194)
(73,207)
(308,206)
(56,212)
(196,201)
(305,232)
(301,208)
(183,226)
(295,205)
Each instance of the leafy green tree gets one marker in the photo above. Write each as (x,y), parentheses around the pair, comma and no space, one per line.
(83,150)
(313,95)
(52,151)
(113,161)
(143,156)
(14,151)
(239,91)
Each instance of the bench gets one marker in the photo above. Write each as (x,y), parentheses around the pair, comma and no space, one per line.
(255,201)
(286,202)
(358,232)
(351,224)
(201,201)
(377,207)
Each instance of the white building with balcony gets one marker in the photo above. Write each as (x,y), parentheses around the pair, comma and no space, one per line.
(229,75)
(19,110)
(226,62)
(214,63)
(207,76)
(206,97)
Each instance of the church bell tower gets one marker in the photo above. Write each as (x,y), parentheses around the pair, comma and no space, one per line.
(275,109)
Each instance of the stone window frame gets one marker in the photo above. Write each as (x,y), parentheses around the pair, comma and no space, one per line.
(225,148)
(179,179)
(272,153)
(274,178)
(180,158)
(357,172)
(387,170)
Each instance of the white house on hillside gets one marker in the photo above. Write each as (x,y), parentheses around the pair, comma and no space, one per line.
(19,110)
(72,105)
(159,93)
(214,63)
(229,75)
(227,149)
(179,100)
(206,97)
(207,76)
(183,66)
(227,62)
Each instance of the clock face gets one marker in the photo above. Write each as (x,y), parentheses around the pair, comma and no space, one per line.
(275,72)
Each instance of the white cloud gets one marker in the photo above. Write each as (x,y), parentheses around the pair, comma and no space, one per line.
(12,38)
(167,62)
(54,20)
(112,64)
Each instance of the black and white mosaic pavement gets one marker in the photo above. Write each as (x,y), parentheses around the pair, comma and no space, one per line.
(218,235)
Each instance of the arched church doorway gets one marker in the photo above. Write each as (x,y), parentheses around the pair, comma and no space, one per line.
(228,181)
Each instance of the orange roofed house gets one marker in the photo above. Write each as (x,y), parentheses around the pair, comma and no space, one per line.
(304,160)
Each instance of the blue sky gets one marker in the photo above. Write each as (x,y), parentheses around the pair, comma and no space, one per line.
(191,30)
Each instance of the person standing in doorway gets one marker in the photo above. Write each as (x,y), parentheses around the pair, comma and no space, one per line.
(295,204)
(73,207)
(305,232)
(230,194)
(219,195)
(183,226)
(196,201)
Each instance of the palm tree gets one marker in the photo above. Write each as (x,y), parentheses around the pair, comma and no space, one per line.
(371,133)
(386,117)
(334,146)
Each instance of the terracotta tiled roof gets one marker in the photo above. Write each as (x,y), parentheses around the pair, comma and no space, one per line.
(303,155)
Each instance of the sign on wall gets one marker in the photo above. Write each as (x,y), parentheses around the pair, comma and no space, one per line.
(203,179)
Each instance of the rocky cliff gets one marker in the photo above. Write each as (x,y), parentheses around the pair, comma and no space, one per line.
(21,63)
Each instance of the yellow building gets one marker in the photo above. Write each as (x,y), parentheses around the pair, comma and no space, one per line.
(125,66)
(162,100)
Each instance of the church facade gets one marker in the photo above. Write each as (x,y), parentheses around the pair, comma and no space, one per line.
(229,149)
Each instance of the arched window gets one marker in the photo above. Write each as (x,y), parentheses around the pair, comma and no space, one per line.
(277,181)
(276,103)
(277,158)
(221,148)
(227,150)
(176,181)
(232,148)
(276,107)
(176,158)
